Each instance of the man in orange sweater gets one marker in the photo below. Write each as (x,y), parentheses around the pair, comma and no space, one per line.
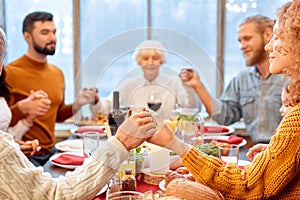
(33,72)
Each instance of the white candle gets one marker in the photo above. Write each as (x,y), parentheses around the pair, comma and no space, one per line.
(159,160)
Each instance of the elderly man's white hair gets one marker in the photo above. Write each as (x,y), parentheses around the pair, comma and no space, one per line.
(150,44)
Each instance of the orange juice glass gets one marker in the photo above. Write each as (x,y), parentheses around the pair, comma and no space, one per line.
(172,124)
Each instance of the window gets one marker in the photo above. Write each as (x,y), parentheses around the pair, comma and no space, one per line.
(111,29)
(237,10)
(123,32)
(63,18)
(191,27)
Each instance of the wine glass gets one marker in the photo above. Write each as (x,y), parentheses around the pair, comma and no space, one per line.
(154,101)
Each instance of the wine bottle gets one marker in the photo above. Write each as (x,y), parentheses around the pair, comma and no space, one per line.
(116,116)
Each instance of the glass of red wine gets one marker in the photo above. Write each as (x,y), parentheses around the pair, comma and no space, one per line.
(154,101)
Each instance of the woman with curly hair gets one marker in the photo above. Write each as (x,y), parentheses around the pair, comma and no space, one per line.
(275,172)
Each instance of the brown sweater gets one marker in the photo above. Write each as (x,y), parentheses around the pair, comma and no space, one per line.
(273,174)
(24,75)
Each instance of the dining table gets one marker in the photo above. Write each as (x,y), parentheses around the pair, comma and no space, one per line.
(56,171)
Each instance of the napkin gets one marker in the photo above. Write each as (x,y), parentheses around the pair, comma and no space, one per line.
(232,140)
(241,167)
(69,159)
(90,129)
(215,129)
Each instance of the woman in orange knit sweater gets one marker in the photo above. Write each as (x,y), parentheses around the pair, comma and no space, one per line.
(274,173)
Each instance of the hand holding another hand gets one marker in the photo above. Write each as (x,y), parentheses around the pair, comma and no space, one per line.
(86,96)
(136,129)
(36,104)
(29,148)
(40,94)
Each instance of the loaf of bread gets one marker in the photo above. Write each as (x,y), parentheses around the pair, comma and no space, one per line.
(189,190)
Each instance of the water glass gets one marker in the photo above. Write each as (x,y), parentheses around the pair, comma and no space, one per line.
(229,154)
(90,142)
(198,137)
(190,128)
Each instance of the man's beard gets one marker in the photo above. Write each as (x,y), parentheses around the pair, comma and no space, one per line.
(259,55)
(43,50)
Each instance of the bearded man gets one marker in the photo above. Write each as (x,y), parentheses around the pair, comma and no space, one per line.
(32,72)
(254,94)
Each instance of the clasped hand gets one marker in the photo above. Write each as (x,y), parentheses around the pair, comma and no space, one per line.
(35,105)
(87,96)
(136,129)
(29,148)
(145,126)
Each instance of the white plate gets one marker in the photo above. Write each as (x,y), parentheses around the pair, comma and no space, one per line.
(70,145)
(64,166)
(162,185)
(73,130)
(64,126)
(230,130)
(223,137)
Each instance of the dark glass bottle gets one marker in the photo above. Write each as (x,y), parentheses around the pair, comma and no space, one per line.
(116,116)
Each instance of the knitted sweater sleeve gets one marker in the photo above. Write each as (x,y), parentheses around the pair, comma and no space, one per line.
(267,176)
(19,179)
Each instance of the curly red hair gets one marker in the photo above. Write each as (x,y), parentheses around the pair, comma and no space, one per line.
(288,32)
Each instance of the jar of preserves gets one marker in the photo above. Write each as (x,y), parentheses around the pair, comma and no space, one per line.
(128,181)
